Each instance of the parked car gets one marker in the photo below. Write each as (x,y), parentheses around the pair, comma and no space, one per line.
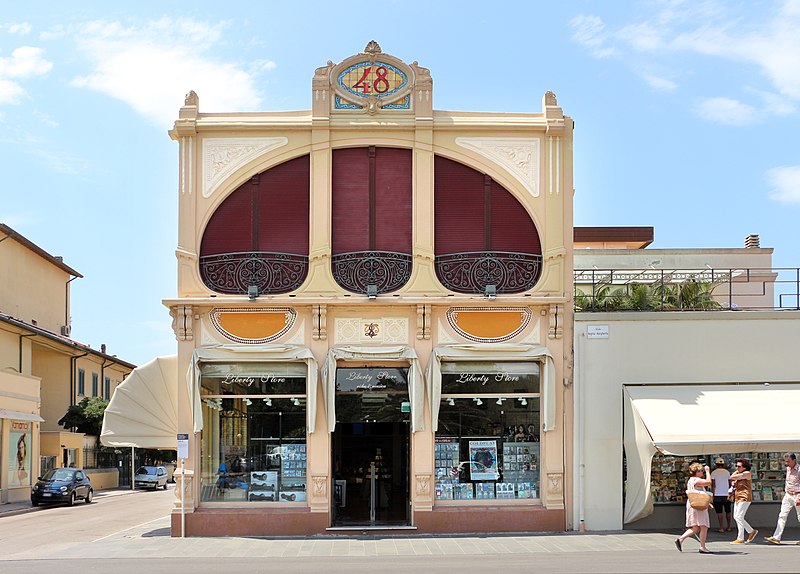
(151,477)
(62,485)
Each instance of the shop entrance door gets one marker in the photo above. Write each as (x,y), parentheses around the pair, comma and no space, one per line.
(370,448)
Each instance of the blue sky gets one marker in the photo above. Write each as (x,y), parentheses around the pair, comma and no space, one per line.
(686,116)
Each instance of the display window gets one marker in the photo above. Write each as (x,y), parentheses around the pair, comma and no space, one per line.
(487,445)
(671,473)
(254,433)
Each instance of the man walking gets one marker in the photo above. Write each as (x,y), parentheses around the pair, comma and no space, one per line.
(791,498)
(720,482)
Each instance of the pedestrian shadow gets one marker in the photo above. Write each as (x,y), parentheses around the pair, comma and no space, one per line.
(157,532)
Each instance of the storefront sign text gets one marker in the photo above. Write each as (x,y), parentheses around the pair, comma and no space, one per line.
(484,379)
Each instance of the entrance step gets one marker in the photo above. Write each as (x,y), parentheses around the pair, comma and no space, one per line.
(368,528)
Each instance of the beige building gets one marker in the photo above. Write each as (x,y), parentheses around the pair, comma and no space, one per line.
(657,388)
(374,309)
(42,370)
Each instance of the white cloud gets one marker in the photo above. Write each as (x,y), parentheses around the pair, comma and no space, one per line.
(660,84)
(785,182)
(10,92)
(590,31)
(21,28)
(24,62)
(727,111)
(153,66)
(768,42)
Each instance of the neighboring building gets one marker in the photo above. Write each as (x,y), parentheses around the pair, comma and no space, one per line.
(42,370)
(326,259)
(659,383)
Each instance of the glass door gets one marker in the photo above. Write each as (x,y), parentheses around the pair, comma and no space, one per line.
(371,446)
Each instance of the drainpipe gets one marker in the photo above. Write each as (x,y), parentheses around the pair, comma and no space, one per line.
(73,361)
(102,384)
(66,301)
(20,348)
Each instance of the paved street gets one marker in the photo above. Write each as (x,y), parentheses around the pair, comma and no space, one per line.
(128,533)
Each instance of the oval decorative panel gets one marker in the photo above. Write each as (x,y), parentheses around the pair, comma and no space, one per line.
(253,326)
(488,324)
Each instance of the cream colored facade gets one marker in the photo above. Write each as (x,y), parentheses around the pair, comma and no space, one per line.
(39,363)
(529,154)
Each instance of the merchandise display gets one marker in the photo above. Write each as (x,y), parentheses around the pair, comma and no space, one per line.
(671,473)
(517,475)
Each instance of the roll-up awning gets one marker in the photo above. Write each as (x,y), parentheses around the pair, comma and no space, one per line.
(143,412)
(252,353)
(416,385)
(19,416)
(688,420)
(494,352)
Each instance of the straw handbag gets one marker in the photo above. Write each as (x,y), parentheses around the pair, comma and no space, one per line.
(699,499)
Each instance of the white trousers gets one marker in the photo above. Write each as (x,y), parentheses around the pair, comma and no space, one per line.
(739,510)
(789,502)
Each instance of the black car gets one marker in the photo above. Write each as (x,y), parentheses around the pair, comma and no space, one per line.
(62,485)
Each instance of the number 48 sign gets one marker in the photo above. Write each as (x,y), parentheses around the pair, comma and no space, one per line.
(372,79)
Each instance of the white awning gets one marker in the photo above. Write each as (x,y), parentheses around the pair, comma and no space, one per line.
(688,420)
(494,352)
(18,416)
(416,385)
(269,353)
(143,412)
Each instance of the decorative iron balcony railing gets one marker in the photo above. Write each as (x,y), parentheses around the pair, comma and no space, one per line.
(386,270)
(472,272)
(743,288)
(272,273)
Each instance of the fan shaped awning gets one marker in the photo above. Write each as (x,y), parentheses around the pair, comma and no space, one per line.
(143,412)
(692,420)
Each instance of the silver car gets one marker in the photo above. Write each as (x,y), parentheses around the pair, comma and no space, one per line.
(151,477)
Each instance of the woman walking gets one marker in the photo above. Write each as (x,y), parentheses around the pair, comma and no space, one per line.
(696,520)
(742,497)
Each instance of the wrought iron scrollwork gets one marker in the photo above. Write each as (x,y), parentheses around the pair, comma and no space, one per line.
(272,273)
(385,269)
(471,272)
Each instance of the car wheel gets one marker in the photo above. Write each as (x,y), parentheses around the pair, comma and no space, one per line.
(71,501)
(89,496)
(34,502)
(165,486)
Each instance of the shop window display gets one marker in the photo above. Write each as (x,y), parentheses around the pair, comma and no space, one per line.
(487,445)
(670,474)
(254,434)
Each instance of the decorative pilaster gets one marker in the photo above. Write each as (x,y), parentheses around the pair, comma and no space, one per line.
(320,320)
(423,322)
(553,495)
(187,484)
(423,493)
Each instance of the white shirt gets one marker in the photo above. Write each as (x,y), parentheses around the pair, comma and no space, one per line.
(721,478)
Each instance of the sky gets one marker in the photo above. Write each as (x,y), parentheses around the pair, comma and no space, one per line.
(686,117)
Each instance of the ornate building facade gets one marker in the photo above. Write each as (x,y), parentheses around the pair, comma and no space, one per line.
(374,312)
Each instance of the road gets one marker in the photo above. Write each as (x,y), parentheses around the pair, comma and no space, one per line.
(110,513)
(128,533)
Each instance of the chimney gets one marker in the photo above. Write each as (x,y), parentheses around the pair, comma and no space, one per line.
(752,241)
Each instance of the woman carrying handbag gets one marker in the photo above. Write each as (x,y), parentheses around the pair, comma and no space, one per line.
(742,497)
(697,517)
